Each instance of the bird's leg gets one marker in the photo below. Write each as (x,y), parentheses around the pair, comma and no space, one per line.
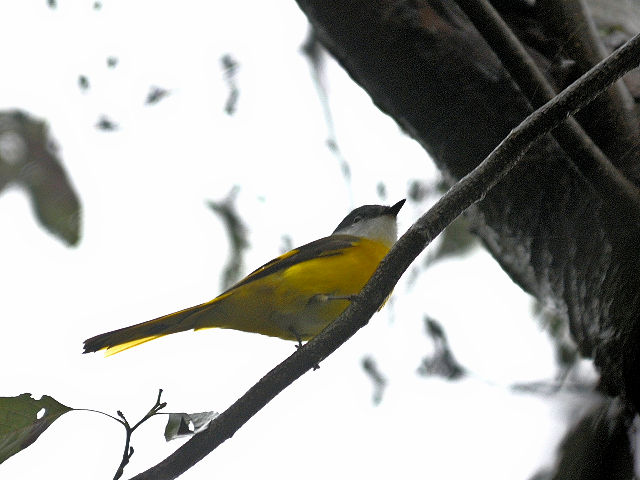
(299,345)
(295,334)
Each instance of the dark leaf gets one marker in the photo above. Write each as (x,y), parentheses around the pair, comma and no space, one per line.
(28,157)
(237,232)
(155,95)
(442,363)
(23,419)
(230,69)
(379,382)
(83,82)
(106,124)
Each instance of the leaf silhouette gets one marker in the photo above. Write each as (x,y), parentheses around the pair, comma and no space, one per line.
(28,158)
(23,419)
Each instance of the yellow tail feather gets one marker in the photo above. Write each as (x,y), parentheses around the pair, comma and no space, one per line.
(124,338)
(108,351)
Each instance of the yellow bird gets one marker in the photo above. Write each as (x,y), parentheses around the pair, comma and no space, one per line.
(292,297)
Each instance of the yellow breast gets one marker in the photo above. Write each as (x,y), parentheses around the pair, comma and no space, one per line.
(297,302)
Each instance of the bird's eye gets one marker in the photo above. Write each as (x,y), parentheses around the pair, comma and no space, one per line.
(357,219)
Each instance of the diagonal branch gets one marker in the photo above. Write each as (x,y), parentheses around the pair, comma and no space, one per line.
(470,189)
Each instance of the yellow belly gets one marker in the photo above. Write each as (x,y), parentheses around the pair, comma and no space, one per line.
(296,303)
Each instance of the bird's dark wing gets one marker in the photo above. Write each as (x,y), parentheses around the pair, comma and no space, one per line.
(324,247)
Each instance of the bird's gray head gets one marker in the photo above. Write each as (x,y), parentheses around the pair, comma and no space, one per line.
(375,222)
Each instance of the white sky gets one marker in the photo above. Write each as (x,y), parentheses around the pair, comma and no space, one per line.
(151,246)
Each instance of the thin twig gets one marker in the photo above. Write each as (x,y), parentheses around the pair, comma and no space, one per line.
(128,449)
(97,411)
(470,189)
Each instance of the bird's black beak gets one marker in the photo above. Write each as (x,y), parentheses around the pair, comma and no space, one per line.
(393,210)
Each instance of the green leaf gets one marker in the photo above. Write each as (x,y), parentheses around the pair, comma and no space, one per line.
(29,158)
(23,419)
(187,424)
